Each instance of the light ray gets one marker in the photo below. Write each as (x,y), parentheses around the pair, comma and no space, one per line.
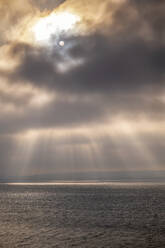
(59,149)
(25,148)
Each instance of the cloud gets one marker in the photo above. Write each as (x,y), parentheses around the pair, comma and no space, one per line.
(47,4)
(152,13)
(120,61)
(109,66)
(14,17)
(58,113)
(95,104)
(123,65)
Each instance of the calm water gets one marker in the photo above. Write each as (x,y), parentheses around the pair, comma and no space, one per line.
(105,215)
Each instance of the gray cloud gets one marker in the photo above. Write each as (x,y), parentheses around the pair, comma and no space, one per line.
(121,76)
(110,65)
(47,4)
(58,114)
(120,61)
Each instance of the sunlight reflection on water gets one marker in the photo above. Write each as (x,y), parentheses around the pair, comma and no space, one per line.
(90,214)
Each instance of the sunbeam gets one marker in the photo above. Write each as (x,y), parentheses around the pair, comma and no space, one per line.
(85,149)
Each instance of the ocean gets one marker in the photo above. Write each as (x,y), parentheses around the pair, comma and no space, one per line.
(113,215)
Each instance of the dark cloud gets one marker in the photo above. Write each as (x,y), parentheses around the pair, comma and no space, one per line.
(110,65)
(72,113)
(58,114)
(152,13)
(120,61)
(115,65)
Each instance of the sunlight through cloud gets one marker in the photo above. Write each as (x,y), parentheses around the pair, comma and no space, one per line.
(54,25)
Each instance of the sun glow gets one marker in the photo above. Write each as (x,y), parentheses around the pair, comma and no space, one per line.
(53,25)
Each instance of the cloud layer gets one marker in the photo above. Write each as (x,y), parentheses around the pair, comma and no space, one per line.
(109,76)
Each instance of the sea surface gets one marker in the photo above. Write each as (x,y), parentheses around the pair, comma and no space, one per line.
(113,215)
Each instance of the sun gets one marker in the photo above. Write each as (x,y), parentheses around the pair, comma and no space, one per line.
(53,25)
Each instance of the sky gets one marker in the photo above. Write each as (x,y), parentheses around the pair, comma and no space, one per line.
(81,86)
